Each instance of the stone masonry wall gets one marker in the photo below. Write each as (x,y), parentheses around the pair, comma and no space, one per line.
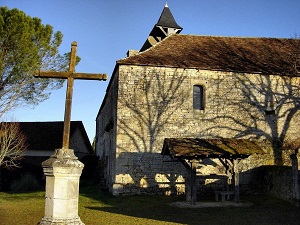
(106,135)
(156,103)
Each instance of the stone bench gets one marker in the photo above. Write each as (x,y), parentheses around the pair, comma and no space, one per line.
(225,195)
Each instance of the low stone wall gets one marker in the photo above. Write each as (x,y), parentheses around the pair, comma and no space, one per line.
(277,181)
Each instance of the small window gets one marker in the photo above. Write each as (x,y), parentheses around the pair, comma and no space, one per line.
(198,97)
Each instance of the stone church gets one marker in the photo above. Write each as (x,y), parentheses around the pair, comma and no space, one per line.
(198,87)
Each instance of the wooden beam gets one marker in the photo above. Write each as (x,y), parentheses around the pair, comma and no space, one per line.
(225,164)
(66,75)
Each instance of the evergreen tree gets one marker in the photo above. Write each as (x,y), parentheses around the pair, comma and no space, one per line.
(26,46)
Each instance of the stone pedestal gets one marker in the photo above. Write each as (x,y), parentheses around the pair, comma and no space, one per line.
(62,172)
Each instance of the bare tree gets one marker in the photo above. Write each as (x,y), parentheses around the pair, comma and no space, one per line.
(12,144)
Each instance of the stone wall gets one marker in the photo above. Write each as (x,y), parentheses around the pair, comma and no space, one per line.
(78,144)
(106,134)
(276,181)
(154,103)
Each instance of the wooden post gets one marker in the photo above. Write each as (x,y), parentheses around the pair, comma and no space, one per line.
(236,180)
(69,94)
(228,167)
(193,183)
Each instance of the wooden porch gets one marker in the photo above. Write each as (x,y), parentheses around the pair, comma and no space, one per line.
(230,152)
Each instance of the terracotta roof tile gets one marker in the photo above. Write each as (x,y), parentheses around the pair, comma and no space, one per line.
(250,55)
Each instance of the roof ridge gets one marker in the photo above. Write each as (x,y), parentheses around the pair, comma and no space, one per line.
(57,121)
(240,37)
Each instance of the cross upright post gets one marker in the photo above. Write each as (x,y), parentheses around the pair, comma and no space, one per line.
(69,94)
(62,169)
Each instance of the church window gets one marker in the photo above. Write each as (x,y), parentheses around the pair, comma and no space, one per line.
(198,97)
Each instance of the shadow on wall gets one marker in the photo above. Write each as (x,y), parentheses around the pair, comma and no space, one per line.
(156,175)
(151,102)
(254,106)
(148,106)
(265,108)
(258,105)
(149,173)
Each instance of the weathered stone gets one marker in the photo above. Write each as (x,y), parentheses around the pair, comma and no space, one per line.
(62,172)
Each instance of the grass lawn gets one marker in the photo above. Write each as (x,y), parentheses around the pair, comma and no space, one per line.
(101,208)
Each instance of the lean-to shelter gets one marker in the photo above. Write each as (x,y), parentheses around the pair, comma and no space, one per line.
(228,150)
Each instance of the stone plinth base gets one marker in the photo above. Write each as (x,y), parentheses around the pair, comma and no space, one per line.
(62,172)
(63,221)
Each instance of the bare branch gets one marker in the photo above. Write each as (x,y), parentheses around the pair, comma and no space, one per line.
(12,144)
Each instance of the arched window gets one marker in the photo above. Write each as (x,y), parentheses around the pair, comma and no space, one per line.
(198,97)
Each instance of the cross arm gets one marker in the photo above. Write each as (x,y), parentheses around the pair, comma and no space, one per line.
(66,75)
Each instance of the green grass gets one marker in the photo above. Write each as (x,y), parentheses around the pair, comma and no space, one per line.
(97,207)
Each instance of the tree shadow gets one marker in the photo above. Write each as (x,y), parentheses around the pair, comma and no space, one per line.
(148,108)
(151,102)
(263,107)
(260,106)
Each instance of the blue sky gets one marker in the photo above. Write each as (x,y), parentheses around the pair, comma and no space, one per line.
(106,29)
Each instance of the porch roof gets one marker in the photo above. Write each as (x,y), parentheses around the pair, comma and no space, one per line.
(196,148)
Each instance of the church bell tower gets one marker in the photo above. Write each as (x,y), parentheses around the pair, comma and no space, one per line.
(165,26)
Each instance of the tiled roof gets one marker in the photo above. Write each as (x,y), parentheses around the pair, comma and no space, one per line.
(250,55)
(210,148)
(47,136)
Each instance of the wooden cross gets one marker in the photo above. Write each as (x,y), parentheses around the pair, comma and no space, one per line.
(70,75)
